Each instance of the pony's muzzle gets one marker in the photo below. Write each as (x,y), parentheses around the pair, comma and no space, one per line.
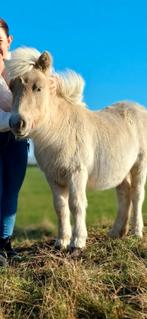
(17,123)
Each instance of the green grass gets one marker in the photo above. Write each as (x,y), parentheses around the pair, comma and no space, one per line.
(107,280)
(36,208)
(35,202)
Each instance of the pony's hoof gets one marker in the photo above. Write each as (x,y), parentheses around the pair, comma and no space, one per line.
(137,234)
(114,234)
(61,244)
(78,243)
(75,252)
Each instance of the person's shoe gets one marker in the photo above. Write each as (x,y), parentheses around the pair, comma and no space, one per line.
(7,252)
(10,251)
(3,258)
(3,255)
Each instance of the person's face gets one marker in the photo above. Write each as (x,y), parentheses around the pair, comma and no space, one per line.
(4,43)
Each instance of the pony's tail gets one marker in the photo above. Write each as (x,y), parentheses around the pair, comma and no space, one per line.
(71,86)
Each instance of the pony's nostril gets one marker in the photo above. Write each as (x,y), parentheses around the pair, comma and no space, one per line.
(22,124)
(17,123)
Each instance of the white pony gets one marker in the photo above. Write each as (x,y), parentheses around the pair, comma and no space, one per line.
(74,145)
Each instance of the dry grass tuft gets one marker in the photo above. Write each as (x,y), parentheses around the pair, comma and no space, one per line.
(108,280)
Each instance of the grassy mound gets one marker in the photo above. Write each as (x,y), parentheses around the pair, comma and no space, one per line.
(106,280)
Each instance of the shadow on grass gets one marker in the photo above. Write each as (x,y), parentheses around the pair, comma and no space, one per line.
(33,241)
(32,233)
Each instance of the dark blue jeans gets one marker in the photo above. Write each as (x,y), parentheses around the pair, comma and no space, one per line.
(13,162)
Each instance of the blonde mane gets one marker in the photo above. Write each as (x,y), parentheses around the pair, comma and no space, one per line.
(70,84)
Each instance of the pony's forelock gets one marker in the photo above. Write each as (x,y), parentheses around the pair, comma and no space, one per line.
(22,60)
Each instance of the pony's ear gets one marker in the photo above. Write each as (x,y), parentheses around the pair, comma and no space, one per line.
(44,62)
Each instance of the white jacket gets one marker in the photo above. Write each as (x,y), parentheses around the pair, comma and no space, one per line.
(5,104)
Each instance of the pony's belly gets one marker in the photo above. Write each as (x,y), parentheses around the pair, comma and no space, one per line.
(109,176)
(109,183)
(104,184)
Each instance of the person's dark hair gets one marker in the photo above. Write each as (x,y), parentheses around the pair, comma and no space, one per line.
(4,25)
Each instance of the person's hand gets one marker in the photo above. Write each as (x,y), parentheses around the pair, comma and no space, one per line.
(53,84)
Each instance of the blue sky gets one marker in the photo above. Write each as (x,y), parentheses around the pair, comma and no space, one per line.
(104,40)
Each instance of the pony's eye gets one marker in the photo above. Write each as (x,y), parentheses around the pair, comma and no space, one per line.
(36,88)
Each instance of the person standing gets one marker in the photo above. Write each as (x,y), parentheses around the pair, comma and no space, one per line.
(13,157)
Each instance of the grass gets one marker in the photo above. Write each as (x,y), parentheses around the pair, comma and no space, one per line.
(107,280)
(36,208)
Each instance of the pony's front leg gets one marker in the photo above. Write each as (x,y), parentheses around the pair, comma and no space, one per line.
(78,205)
(60,198)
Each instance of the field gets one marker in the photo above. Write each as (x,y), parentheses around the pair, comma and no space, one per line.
(107,280)
(35,203)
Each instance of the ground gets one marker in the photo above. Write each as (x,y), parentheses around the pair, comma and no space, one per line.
(106,280)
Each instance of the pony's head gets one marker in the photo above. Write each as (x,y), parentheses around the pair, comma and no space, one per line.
(29,72)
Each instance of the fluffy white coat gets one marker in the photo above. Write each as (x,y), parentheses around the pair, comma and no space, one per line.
(74,145)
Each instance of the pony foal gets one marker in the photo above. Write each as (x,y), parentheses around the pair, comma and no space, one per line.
(74,145)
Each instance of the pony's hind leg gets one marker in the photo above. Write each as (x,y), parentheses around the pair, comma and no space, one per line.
(138,176)
(78,205)
(120,227)
(60,198)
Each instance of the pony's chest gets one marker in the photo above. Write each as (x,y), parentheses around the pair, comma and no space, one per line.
(53,164)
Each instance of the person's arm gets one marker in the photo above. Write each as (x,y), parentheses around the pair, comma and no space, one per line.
(4,121)
(5,105)
(5,96)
